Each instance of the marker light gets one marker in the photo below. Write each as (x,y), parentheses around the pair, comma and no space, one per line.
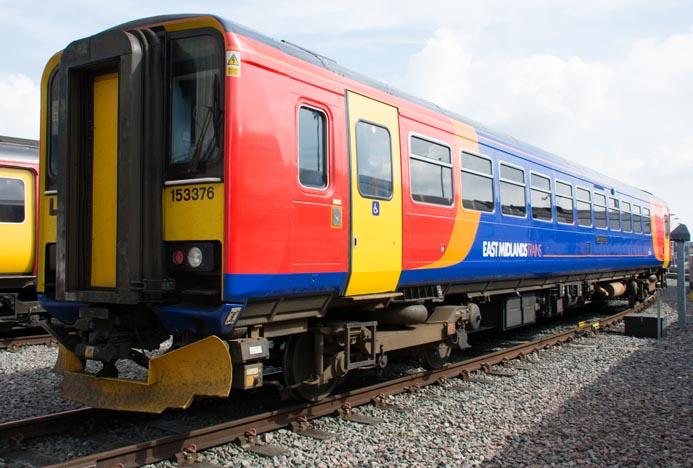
(177,257)
(195,257)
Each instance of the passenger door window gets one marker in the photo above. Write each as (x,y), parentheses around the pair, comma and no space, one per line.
(374,161)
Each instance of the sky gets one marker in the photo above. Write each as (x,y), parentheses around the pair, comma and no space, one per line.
(605,83)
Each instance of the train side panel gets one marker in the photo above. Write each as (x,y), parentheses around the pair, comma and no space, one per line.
(285,232)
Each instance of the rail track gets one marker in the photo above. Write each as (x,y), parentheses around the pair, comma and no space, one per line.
(25,337)
(182,442)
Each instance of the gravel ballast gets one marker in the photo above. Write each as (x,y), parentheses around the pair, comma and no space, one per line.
(605,401)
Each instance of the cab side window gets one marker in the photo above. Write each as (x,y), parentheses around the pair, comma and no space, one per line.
(312,148)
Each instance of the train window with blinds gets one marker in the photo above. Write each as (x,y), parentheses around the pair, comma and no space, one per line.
(646,221)
(625,217)
(600,211)
(196,114)
(540,197)
(637,219)
(11,200)
(431,172)
(312,147)
(564,203)
(512,191)
(374,160)
(584,206)
(477,183)
(614,215)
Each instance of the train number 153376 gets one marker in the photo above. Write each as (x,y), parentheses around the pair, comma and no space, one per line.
(192,193)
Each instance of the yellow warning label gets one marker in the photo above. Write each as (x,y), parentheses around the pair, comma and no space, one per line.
(233,63)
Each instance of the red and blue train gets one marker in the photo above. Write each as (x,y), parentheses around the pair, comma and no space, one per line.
(258,203)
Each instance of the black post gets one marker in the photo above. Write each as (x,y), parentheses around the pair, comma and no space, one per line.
(680,236)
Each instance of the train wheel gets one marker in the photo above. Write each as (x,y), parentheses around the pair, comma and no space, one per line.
(434,355)
(299,356)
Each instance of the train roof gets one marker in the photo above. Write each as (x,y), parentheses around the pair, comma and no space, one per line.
(485,133)
(19,150)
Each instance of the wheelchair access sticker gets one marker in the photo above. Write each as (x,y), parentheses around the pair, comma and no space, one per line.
(376,208)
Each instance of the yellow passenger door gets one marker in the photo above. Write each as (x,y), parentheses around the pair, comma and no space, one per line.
(376,196)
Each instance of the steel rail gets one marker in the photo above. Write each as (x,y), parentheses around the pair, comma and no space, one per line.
(15,432)
(13,343)
(184,446)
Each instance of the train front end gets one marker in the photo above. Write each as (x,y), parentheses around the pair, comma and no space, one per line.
(134,124)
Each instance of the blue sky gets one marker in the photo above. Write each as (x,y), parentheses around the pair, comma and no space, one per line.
(606,83)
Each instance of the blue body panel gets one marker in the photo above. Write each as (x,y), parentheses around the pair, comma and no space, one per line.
(198,320)
(65,311)
(238,288)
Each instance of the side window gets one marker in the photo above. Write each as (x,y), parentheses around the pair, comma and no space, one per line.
(637,219)
(11,200)
(584,207)
(477,183)
(564,203)
(312,148)
(646,221)
(374,160)
(540,193)
(614,215)
(431,172)
(512,191)
(600,211)
(625,216)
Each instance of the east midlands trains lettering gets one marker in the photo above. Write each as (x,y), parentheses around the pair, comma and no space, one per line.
(511,249)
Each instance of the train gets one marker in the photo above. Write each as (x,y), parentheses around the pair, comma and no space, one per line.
(254,204)
(19,165)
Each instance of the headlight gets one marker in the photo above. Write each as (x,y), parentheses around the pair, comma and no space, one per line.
(195,257)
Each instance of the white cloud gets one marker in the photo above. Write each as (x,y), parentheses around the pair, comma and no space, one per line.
(630,119)
(19,106)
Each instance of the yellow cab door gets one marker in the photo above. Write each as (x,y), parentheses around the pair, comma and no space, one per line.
(376,196)
(17,215)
